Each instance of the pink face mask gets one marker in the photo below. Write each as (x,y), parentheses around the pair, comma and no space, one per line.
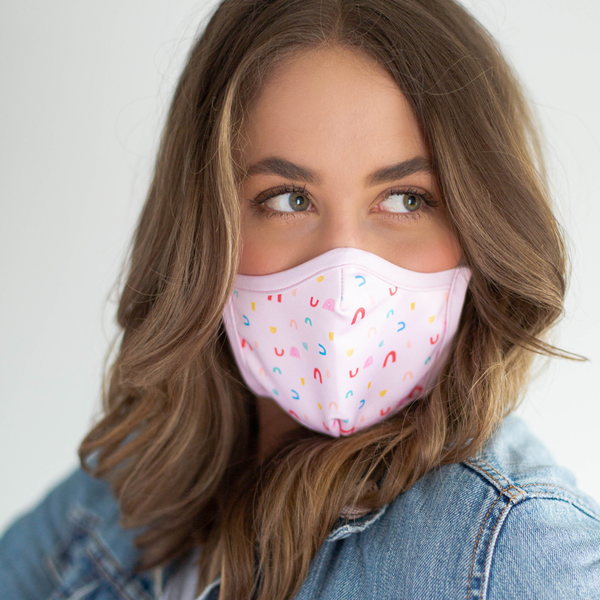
(346,339)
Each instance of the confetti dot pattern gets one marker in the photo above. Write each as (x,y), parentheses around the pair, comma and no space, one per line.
(363,337)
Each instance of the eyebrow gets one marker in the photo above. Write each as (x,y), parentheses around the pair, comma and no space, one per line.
(275,165)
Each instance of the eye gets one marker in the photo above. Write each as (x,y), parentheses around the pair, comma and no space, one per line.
(288,202)
(403,202)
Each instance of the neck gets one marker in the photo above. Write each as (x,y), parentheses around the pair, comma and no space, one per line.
(274,425)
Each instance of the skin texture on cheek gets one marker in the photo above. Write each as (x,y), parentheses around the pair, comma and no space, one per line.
(334,113)
(273,249)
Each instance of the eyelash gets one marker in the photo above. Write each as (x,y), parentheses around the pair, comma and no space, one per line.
(258,202)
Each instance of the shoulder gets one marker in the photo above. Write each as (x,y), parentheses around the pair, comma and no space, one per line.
(545,540)
(70,537)
(508,523)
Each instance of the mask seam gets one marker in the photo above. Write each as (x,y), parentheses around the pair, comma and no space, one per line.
(449,305)
(447,313)
(346,265)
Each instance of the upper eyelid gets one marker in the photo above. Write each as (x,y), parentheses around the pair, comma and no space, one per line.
(279,190)
(427,196)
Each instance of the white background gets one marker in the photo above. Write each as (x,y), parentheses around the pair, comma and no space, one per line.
(84,89)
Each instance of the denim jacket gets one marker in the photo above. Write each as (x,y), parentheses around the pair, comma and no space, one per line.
(507,524)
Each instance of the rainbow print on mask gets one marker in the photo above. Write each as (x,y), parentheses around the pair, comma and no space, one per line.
(324,323)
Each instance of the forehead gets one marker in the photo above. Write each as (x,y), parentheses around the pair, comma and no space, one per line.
(332,108)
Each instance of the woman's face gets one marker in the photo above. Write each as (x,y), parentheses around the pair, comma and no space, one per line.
(334,157)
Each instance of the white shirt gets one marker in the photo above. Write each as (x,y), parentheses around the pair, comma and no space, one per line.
(182,585)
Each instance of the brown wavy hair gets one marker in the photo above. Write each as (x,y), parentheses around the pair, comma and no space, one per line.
(178,436)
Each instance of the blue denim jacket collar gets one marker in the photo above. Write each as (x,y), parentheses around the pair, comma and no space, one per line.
(101,551)
(437,539)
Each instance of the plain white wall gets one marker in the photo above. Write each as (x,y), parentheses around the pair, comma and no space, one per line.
(85,86)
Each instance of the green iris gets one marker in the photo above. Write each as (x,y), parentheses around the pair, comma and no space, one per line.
(298,202)
(412,202)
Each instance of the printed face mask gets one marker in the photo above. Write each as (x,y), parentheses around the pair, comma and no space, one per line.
(346,339)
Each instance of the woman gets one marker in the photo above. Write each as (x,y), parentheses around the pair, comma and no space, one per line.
(384,146)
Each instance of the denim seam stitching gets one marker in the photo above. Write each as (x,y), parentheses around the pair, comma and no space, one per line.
(502,490)
(502,487)
(584,506)
(536,483)
(479,469)
(570,493)
(568,498)
(507,508)
(80,518)
(100,566)
(50,566)
(57,595)
(106,556)
(514,503)
(477,543)
(79,594)
(501,475)
(51,561)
